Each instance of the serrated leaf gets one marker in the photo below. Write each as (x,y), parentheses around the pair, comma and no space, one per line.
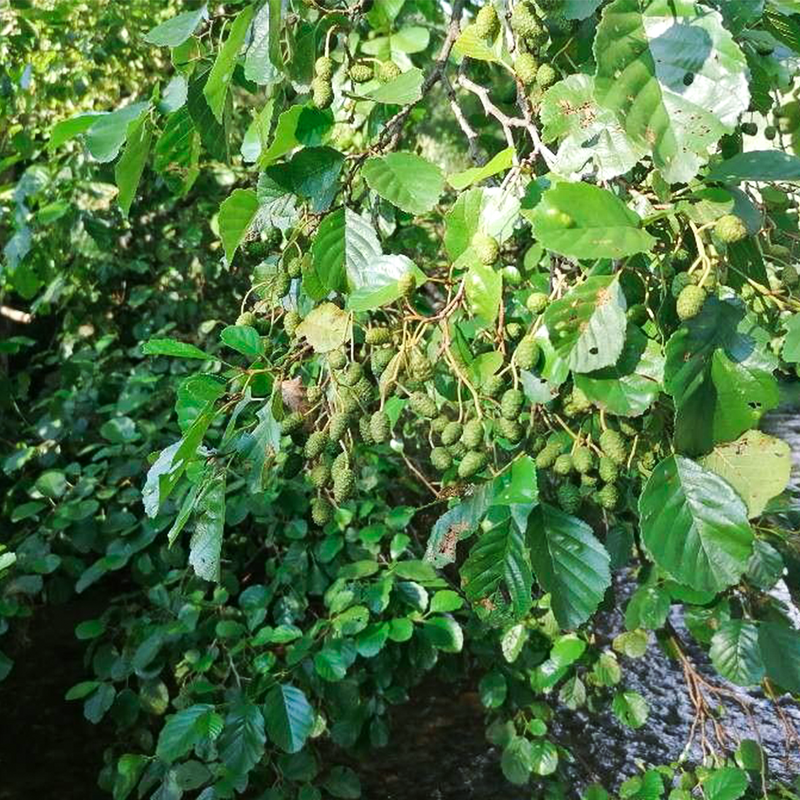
(172,347)
(500,163)
(470,44)
(780,649)
(791,343)
(187,728)
(592,138)
(375,282)
(205,546)
(263,55)
(129,168)
(176,153)
(241,744)
(585,221)
(499,558)
(343,249)
(735,652)
(673,76)
(177,30)
(569,562)
(483,287)
(108,132)
(236,213)
(756,465)
(69,128)
(325,328)
(402,90)
(243,339)
(757,165)
(406,180)
(221,74)
(587,326)
(493,211)
(629,387)
(725,783)
(289,717)
(694,525)
(630,708)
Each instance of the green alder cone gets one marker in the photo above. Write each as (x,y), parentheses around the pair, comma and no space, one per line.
(472,437)
(749,128)
(420,367)
(407,284)
(452,433)
(486,248)
(546,76)
(511,403)
(316,443)
(320,476)
(294,268)
(509,429)
(321,511)
(458,449)
(338,425)
(679,283)
(613,445)
(379,360)
(472,463)
(314,394)
(423,405)
(589,480)
(380,427)
(387,71)
(607,470)
(322,92)
(608,497)
(730,229)
(291,320)
(569,497)
(365,430)
(563,464)
(524,21)
(247,318)
(344,483)
(378,336)
(514,331)
(582,460)
(438,424)
(527,353)
(323,68)
(441,458)
(537,302)
(690,302)
(292,422)
(526,66)
(547,457)
(361,73)
(337,359)
(352,375)
(493,386)
(487,23)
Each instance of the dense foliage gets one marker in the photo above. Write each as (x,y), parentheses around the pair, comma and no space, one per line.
(364,341)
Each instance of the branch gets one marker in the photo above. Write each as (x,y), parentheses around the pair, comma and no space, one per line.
(22,317)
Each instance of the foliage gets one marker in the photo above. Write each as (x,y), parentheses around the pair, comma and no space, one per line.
(431,390)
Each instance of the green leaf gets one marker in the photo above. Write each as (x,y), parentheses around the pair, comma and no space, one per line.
(569,562)
(460,522)
(289,717)
(492,689)
(484,289)
(719,372)
(592,139)
(262,62)
(493,211)
(343,248)
(205,546)
(517,761)
(632,385)
(765,567)
(406,180)
(544,757)
(780,649)
(284,139)
(172,347)
(402,90)
(375,282)
(129,168)
(648,608)
(500,163)
(129,769)
(314,173)
(243,339)
(694,525)
(221,74)
(725,783)
(756,465)
(236,213)
(326,328)
(736,654)
(70,128)
(342,782)
(517,485)
(444,633)
(108,132)
(791,344)
(587,326)
(674,78)
(630,708)
(472,45)
(194,725)
(499,558)
(241,745)
(177,30)
(585,221)
(757,165)
(177,152)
